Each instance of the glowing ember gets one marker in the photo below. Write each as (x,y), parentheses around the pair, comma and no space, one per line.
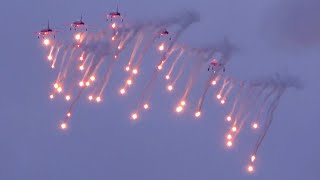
(197,114)
(77,37)
(68,97)
(135,71)
(46,42)
(161,47)
(122,91)
(179,109)
(250,168)
(63,126)
(134,116)
(219,96)
(255,125)
(229,143)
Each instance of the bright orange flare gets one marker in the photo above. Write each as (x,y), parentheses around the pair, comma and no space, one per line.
(159,67)
(253,157)
(56,86)
(49,57)
(167,77)
(122,91)
(229,136)
(146,106)
(161,47)
(219,96)
(127,68)
(90,98)
(197,114)
(129,82)
(88,83)
(98,99)
(63,126)
(135,71)
(46,42)
(179,109)
(59,89)
(214,82)
(81,68)
(170,88)
(234,129)
(255,125)
(81,83)
(223,101)
(81,58)
(134,116)
(77,36)
(183,103)
(68,97)
(113,25)
(229,118)
(250,169)
(229,143)
(92,78)
(68,114)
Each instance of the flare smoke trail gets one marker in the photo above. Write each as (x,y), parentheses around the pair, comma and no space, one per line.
(259,100)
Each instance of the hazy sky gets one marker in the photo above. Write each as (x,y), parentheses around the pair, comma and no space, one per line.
(102,143)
